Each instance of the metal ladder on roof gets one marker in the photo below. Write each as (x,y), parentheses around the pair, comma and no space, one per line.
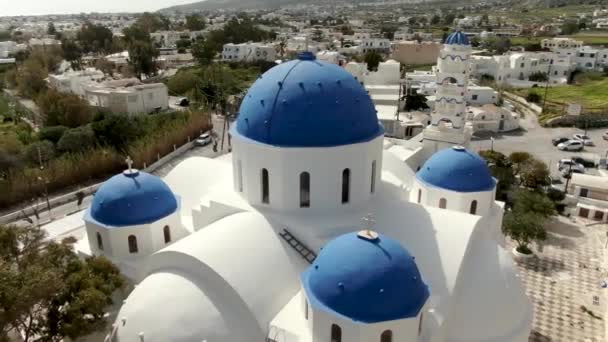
(298,246)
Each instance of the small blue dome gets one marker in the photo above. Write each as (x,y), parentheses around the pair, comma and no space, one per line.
(457,38)
(308,103)
(457,169)
(132,199)
(365,280)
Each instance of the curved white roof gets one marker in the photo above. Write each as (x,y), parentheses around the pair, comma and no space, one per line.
(488,289)
(236,274)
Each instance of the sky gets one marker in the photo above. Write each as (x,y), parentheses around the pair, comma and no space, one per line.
(35,7)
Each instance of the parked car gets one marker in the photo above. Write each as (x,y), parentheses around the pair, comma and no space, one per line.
(569,164)
(584,138)
(571,145)
(584,161)
(559,140)
(203,139)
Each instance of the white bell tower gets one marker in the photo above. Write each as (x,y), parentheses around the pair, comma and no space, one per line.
(448,126)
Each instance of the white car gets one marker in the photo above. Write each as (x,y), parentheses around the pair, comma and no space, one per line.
(571,145)
(203,139)
(584,138)
(570,165)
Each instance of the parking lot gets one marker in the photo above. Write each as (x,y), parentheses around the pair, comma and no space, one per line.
(536,140)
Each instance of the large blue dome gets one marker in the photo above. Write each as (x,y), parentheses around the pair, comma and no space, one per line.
(130,199)
(457,169)
(308,103)
(365,280)
(457,38)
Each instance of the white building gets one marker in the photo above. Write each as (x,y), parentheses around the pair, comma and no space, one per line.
(557,43)
(380,45)
(589,195)
(135,99)
(8,48)
(587,58)
(75,82)
(516,68)
(248,52)
(492,118)
(274,248)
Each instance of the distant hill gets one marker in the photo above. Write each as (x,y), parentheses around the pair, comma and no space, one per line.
(209,5)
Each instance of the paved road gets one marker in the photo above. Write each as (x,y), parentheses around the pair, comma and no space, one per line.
(537,140)
(202,151)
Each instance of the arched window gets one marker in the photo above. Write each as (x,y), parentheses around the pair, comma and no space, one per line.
(99,241)
(373,187)
(336,333)
(345,186)
(473,209)
(443,203)
(304,190)
(133,244)
(387,336)
(419,195)
(167,233)
(265,191)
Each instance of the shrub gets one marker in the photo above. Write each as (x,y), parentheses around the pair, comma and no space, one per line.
(538,77)
(52,133)
(76,140)
(533,97)
(64,109)
(40,152)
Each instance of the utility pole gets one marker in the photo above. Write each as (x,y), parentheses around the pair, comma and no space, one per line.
(547,86)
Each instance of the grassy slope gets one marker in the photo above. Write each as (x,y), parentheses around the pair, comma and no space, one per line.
(591,94)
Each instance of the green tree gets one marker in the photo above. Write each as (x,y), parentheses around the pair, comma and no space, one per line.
(50,29)
(533,97)
(534,174)
(30,78)
(52,133)
(373,59)
(195,22)
(526,201)
(64,109)
(95,38)
(142,53)
(77,140)
(435,19)
(448,19)
(47,292)
(415,101)
(72,53)
(116,130)
(183,82)
(502,169)
(152,22)
(524,228)
(39,153)
(570,27)
(204,51)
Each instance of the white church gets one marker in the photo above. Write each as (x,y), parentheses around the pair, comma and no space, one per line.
(316,228)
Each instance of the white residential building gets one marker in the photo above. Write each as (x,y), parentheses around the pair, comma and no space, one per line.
(381,45)
(248,52)
(75,82)
(587,58)
(9,47)
(136,99)
(555,44)
(589,195)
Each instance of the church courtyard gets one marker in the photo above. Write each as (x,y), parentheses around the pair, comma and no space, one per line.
(563,282)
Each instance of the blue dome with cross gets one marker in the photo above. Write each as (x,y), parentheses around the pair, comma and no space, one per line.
(132,198)
(308,103)
(365,277)
(457,38)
